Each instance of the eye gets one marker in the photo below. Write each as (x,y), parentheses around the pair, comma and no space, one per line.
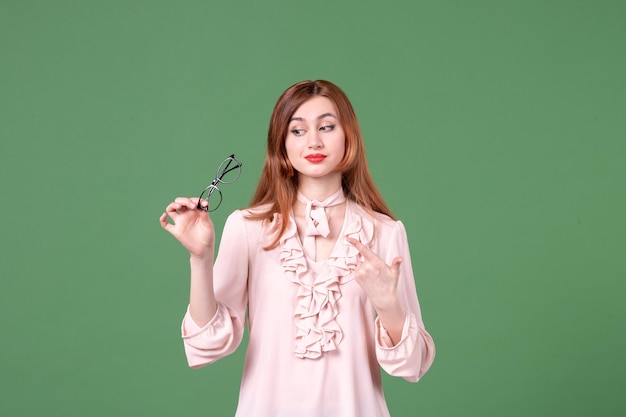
(297,132)
(327,128)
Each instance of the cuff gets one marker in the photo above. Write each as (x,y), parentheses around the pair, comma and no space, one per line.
(383,341)
(190,328)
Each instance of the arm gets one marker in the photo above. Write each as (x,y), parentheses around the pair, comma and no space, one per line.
(193,228)
(214,323)
(403,346)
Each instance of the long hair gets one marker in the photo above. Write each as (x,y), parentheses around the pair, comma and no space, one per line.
(278,186)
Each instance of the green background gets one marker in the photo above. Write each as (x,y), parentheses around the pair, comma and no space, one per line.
(495,130)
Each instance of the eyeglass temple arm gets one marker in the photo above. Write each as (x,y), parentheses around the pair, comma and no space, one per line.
(227,170)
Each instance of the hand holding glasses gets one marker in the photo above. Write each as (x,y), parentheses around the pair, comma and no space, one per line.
(227,173)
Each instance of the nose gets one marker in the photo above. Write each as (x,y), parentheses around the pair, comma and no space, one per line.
(314,141)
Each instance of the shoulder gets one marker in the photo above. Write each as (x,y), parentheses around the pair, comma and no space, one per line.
(380,220)
(384,235)
(385,231)
(251,218)
(249,214)
(256,211)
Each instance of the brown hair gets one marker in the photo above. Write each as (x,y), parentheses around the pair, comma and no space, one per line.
(278,185)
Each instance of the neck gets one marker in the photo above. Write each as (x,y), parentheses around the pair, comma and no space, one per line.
(319,188)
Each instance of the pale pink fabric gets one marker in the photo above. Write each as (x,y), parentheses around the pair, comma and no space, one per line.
(315,345)
(316,217)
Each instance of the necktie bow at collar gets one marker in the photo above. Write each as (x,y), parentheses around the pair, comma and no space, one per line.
(317,220)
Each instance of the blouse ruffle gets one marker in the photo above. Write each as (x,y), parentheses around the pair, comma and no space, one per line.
(315,314)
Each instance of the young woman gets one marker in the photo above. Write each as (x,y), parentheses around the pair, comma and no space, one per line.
(319,264)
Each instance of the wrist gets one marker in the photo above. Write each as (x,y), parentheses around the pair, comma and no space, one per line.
(392,318)
(386,302)
(389,307)
(201,257)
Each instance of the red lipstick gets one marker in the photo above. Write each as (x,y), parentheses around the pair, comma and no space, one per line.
(315,158)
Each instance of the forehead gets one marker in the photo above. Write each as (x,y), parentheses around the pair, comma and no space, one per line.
(315,107)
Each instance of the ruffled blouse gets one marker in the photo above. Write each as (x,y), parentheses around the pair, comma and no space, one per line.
(316,311)
(315,346)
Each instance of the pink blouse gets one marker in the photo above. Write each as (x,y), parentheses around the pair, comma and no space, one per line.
(315,345)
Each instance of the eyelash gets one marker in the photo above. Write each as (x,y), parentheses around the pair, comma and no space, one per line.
(325,128)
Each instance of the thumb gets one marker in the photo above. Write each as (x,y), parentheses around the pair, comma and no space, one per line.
(395,264)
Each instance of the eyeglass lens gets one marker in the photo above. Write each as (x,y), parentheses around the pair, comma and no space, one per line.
(213,195)
(227,173)
(229,170)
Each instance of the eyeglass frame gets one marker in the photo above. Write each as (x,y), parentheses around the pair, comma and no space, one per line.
(219,175)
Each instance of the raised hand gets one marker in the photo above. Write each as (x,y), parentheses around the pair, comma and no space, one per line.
(378,280)
(380,283)
(192,227)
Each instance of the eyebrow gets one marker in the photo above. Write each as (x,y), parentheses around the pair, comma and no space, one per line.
(301,119)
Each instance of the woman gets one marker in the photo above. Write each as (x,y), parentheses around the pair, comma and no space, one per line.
(319,264)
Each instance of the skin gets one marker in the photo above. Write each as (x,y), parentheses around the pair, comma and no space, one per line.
(314,129)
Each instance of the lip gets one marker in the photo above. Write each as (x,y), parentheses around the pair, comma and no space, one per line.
(315,158)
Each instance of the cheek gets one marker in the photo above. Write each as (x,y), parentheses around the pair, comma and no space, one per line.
(290,146)
(293,150)
(341,144)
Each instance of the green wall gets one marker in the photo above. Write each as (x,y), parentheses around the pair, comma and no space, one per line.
(495,129)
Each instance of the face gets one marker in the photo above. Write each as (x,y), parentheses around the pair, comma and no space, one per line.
(315,140)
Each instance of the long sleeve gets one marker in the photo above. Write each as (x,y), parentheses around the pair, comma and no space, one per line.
(413,355)
(223,334)
(256,290)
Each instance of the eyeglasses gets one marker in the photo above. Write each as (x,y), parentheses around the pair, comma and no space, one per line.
(227,173)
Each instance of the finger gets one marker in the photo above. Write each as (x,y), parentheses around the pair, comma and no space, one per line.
(174,209)
(187,202)
(363,250)
(164,223)
(202,202)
